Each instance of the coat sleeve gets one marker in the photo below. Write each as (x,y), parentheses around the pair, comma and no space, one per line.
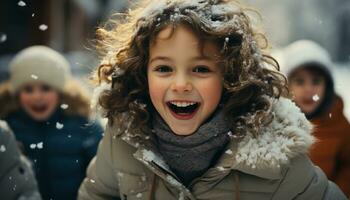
(303,180)
(93,134)
(342,178)
(17,180)
(101,182)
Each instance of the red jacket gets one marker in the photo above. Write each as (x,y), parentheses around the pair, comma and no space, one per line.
(332,150)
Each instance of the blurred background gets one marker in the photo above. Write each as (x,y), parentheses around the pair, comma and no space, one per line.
(69,25)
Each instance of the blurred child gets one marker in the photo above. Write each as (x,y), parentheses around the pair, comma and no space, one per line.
(17,180)
(308,67)
(49,114)
(195,111)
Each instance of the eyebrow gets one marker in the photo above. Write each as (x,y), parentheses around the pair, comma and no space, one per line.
(197,58)
(164,58)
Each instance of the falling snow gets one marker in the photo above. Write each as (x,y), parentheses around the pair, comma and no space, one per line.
(39,145)
(59,125)
(64,106)
(34,76)
(139,195)
(22,3)
(43,27)
(228,152)
(330,115)
(120,174)
(3,37)
(315,97)
(221,168)
(2,148)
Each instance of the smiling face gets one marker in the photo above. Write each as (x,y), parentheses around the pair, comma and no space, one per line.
(185,85)
(38,100)
(308,88)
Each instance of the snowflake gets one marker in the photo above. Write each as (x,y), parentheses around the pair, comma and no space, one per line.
(228,151)
(139,195)
(35,77)
(3,37)
(43,27)
(2,148)
(315,97)
(21,3)
(39,145)
(59,125)
(64,106)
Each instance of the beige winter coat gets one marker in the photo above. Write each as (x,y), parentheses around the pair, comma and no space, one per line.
(271,166)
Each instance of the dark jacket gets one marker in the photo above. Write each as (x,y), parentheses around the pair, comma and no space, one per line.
(60,154)
(17,179)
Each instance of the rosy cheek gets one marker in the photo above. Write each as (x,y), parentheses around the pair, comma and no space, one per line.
(156,91)
(211,92)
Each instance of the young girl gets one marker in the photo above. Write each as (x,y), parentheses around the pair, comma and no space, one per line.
(312,84)
(49,115)
(195,111)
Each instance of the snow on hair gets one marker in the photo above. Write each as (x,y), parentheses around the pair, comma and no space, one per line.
(250,76)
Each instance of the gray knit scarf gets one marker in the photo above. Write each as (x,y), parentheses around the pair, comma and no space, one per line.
(190,156)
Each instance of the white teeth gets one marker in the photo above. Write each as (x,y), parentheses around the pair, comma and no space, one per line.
(182,104)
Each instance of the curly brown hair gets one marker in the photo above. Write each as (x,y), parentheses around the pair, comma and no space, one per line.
(250,76)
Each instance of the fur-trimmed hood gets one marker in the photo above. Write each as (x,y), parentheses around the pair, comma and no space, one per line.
(286,137)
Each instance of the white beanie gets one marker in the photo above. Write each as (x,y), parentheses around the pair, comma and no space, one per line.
(39,64)
(303,52)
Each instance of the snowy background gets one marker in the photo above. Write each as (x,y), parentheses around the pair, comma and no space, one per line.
(68,26)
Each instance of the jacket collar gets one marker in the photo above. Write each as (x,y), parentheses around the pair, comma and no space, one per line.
(287,136)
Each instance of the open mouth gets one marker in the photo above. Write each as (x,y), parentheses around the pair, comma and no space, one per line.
(183,109)
(39,108)
(308,101)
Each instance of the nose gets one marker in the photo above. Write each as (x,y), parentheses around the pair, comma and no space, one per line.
(181,84)
(37,94)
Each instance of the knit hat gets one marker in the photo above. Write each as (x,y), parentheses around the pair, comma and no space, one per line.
(39,64)
(301,53)
(309,54)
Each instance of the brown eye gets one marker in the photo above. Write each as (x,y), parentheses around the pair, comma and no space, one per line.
(45,88)
(201,69)
(317,81)
(163,69)
(28,89)
(299,81)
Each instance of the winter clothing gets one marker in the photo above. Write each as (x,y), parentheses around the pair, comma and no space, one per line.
(271,166)
(60,154)
(332,130)
(17,180)
(190,156)
(332,150)
(305,53)
(61,146)
(39,63)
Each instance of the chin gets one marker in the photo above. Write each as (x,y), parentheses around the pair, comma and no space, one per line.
(41,117)
(183,132)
